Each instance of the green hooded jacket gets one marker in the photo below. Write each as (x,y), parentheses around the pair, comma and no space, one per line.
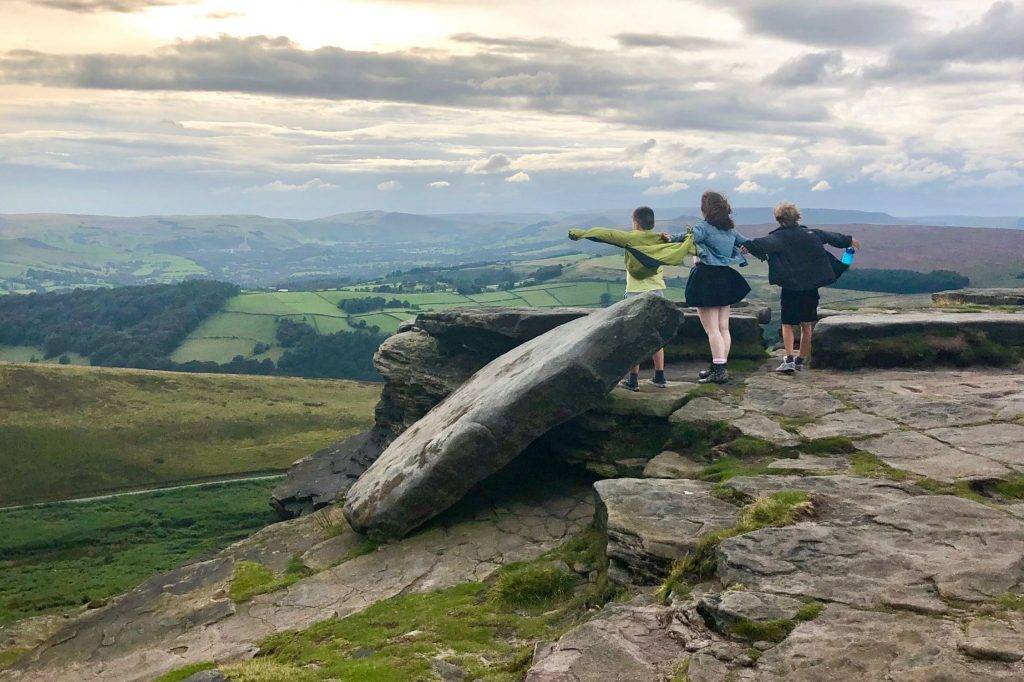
(645,253)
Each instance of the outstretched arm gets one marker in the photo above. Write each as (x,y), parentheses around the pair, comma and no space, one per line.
(836,239)
(604,235)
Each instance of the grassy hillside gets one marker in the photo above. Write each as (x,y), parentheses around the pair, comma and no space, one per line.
(69,431)
(62,556)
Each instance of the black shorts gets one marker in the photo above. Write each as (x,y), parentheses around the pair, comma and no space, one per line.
(799,306)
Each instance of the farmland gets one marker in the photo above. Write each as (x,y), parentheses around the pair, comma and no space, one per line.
(75,431)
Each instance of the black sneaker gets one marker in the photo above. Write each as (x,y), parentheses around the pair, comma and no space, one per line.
(630,385)
(719,375)
(705,373)
(659,384)
(800,363)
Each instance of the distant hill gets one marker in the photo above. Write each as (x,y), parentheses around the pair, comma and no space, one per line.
(43,252)
(999,222)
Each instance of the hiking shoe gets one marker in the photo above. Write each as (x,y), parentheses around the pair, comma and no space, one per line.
(705,373)
(788,366)
(801,364)
(630,385)
(659,384)
(717,374)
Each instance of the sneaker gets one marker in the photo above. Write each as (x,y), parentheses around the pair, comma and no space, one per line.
(630,385)
(801,364)
(788,366)
(659,384)
(716,374)
(705,373)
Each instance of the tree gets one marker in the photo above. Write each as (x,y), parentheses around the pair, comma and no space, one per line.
(606,299)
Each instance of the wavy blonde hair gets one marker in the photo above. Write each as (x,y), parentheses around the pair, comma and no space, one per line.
(787,214)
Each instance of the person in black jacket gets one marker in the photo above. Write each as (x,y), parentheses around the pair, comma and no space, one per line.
(799,263)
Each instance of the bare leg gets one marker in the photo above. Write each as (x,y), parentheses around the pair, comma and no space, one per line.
(787,339)
(659,360)
(709,320)
(635,370)
(806,329)
(723,329)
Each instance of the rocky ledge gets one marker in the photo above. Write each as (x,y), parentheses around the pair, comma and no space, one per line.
(983,297)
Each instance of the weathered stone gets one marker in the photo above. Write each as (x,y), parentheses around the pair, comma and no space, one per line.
(502,409)
(995,640)
(844,643)
(917,453)
(725,610)
(652,522)
(846,424)
(650,401)
(763,428)
(787,397)
(317,481)
(672,465)
(691,342)
(916,546)
(634,641)
(866,340)
(834,497)
(808,463)
(994,296)
(206,676)
(1001,442)
(182,617)
(705,411)
(917,407)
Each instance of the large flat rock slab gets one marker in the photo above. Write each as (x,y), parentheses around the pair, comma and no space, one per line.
(926,456)
(513,400)
(652,522)
(909,339)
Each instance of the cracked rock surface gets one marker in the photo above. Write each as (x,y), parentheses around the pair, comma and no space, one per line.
(186,616)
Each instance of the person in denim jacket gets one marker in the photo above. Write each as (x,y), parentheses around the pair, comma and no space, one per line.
(713,285)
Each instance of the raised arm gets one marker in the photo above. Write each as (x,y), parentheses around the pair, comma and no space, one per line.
(836,239)
(604,235)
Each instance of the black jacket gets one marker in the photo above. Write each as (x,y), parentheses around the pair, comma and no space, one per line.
(797,258)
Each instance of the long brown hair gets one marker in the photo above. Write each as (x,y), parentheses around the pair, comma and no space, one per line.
(717,210)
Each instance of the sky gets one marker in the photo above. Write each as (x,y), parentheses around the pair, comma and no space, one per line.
(313,107)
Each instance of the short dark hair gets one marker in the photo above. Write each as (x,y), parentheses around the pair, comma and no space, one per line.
(644,217)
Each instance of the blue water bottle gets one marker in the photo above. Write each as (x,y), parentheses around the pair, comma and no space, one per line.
(848,256)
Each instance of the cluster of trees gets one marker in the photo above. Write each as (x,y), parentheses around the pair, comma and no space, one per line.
(137,326)
(313,283)
(355,306)
(901,281)
(345,355)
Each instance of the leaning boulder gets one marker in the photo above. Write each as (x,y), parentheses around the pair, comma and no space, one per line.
(487,422)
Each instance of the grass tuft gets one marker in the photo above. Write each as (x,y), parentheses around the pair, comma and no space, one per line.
(867,465)
(1011,488)
(251,579)
(1011,601)
(530,585)
(179,674)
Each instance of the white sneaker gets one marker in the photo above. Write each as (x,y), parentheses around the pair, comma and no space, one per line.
(787,367)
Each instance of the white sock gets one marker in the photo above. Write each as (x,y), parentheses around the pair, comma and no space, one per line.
(718,361)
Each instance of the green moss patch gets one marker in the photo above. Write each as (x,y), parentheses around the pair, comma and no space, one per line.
(251,579)
(9,657)
(1010,489)
(486,629)
(774,630)
(867,465)
(1011,601)
(186,672)
(827,446)
(960,348)
(723,469)
(778,509)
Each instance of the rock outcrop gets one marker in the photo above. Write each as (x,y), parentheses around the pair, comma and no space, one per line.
(986,297)
(507,405)
(919,339)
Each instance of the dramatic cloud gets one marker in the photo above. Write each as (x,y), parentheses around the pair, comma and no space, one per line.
(829,22)
(660,40)
(807,69)
(124,6)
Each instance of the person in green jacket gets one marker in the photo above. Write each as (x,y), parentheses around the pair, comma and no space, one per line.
(645,255)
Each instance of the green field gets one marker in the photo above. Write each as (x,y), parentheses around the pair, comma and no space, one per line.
(74,431)
(60,556)
(251,318)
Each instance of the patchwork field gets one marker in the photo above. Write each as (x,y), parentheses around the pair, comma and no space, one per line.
(251,318)
(62,556)
(75,431)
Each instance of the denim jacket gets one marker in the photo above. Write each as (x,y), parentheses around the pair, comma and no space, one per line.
(714,246)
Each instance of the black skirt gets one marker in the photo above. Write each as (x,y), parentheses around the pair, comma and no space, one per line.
(711,286)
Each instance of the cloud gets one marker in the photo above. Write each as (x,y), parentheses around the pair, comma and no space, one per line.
(821,186)
(1003,179)
(807,69)
(518,177)
(439,184)
(512,44)
(995,37)
(828,22)
(669,188)
(123,6)
(639,150)
(281,186)
(495,163)
(772,164)
(389,185)
(903,170)
(749,187)
(662,40)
